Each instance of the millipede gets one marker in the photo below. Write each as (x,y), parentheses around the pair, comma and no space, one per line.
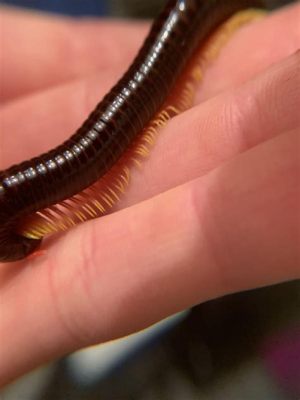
(85,176)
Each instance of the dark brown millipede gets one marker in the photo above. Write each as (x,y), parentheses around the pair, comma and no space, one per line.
(78,180)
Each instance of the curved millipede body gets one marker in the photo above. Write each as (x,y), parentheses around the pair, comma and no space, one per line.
(72,170)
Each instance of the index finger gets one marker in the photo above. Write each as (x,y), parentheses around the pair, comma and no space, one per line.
(51,50)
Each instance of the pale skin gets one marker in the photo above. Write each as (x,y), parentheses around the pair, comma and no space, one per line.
(214,210)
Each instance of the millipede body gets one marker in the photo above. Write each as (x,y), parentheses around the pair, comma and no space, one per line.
(42,186)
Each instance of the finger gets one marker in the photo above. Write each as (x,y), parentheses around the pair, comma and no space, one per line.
(213,132)
(52,50)
(236,228)
(252,50)
(209,134)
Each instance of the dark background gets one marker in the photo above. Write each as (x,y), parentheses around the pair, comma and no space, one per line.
(71,7)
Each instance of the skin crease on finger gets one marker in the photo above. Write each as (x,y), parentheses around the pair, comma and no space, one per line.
(36,291)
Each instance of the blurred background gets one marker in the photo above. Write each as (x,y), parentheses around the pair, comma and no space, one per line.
(241,347)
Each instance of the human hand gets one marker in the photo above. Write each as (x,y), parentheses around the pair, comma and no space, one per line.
(214,210)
